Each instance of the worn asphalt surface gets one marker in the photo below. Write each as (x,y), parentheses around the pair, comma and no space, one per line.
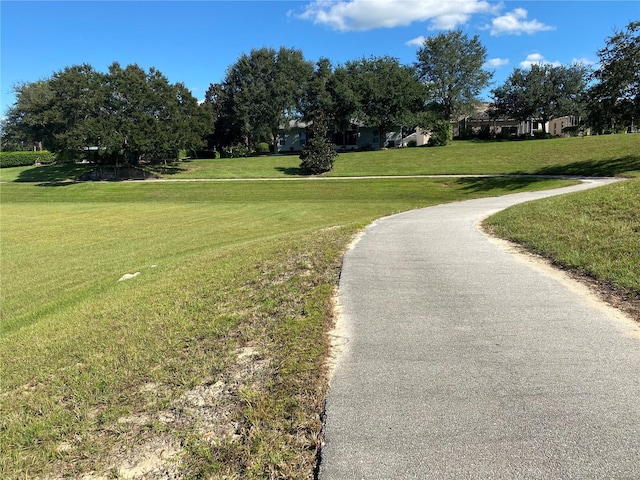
(464,361)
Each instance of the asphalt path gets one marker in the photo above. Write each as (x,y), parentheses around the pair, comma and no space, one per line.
(461,360)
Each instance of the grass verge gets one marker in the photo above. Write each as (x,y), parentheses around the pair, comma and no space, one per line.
(210,362)
(593,234)
(604,155)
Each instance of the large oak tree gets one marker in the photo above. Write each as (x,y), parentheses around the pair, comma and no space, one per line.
(124,115)
(387,94)
(259,93)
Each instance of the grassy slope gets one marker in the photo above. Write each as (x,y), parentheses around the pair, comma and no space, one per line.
(603,155)
(594,233)
(224,266)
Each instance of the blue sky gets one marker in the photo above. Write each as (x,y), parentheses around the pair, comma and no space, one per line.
(194,42)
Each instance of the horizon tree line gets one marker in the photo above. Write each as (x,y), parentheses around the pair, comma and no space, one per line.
(130,115)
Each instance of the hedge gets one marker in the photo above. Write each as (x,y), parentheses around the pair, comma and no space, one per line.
(23,159)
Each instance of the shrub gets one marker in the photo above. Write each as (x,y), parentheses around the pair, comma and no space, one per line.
(466,133)
(412,143)
(204,154)
(441,133)
(23,159)
(486,135)
(541,135)
(505,134)
(238,151)
(263,149)
(318,154)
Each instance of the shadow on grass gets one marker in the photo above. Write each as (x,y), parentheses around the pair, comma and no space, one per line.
(53,174)
(504,184)
(57,184)
(168,169)
(595,168)
(293,171)
(63,175)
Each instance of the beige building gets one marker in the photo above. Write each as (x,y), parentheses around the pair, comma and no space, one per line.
(484,124)
(557,127)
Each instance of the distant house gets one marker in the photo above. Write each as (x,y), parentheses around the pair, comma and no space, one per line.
(292,138)
(356,137)
(484,124)
(568,126)
(418,138)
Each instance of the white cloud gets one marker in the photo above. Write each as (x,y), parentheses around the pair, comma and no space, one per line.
(515,23)
(496,62)
(537,59)
(362,15)
(416,42)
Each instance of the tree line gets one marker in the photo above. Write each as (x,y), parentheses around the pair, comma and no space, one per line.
(125,115)
(131,115)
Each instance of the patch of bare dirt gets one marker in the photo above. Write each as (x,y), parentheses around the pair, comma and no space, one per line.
(150,445)
(610,294)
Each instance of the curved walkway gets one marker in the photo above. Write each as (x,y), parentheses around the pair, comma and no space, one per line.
(462,361)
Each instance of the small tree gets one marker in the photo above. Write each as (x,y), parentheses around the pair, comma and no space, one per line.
(318,154)
(440,129)
(441,134)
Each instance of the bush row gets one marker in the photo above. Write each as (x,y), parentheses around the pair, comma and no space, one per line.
(23,159)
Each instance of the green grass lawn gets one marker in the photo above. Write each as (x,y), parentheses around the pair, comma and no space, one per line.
(223,267)
(601,156)
(214,354)
(594,233)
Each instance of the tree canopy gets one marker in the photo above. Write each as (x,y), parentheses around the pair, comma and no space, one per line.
(126,114)
(615,98)
(451,65)
(387,93)
(134,115)
(542,92)
(260,91)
